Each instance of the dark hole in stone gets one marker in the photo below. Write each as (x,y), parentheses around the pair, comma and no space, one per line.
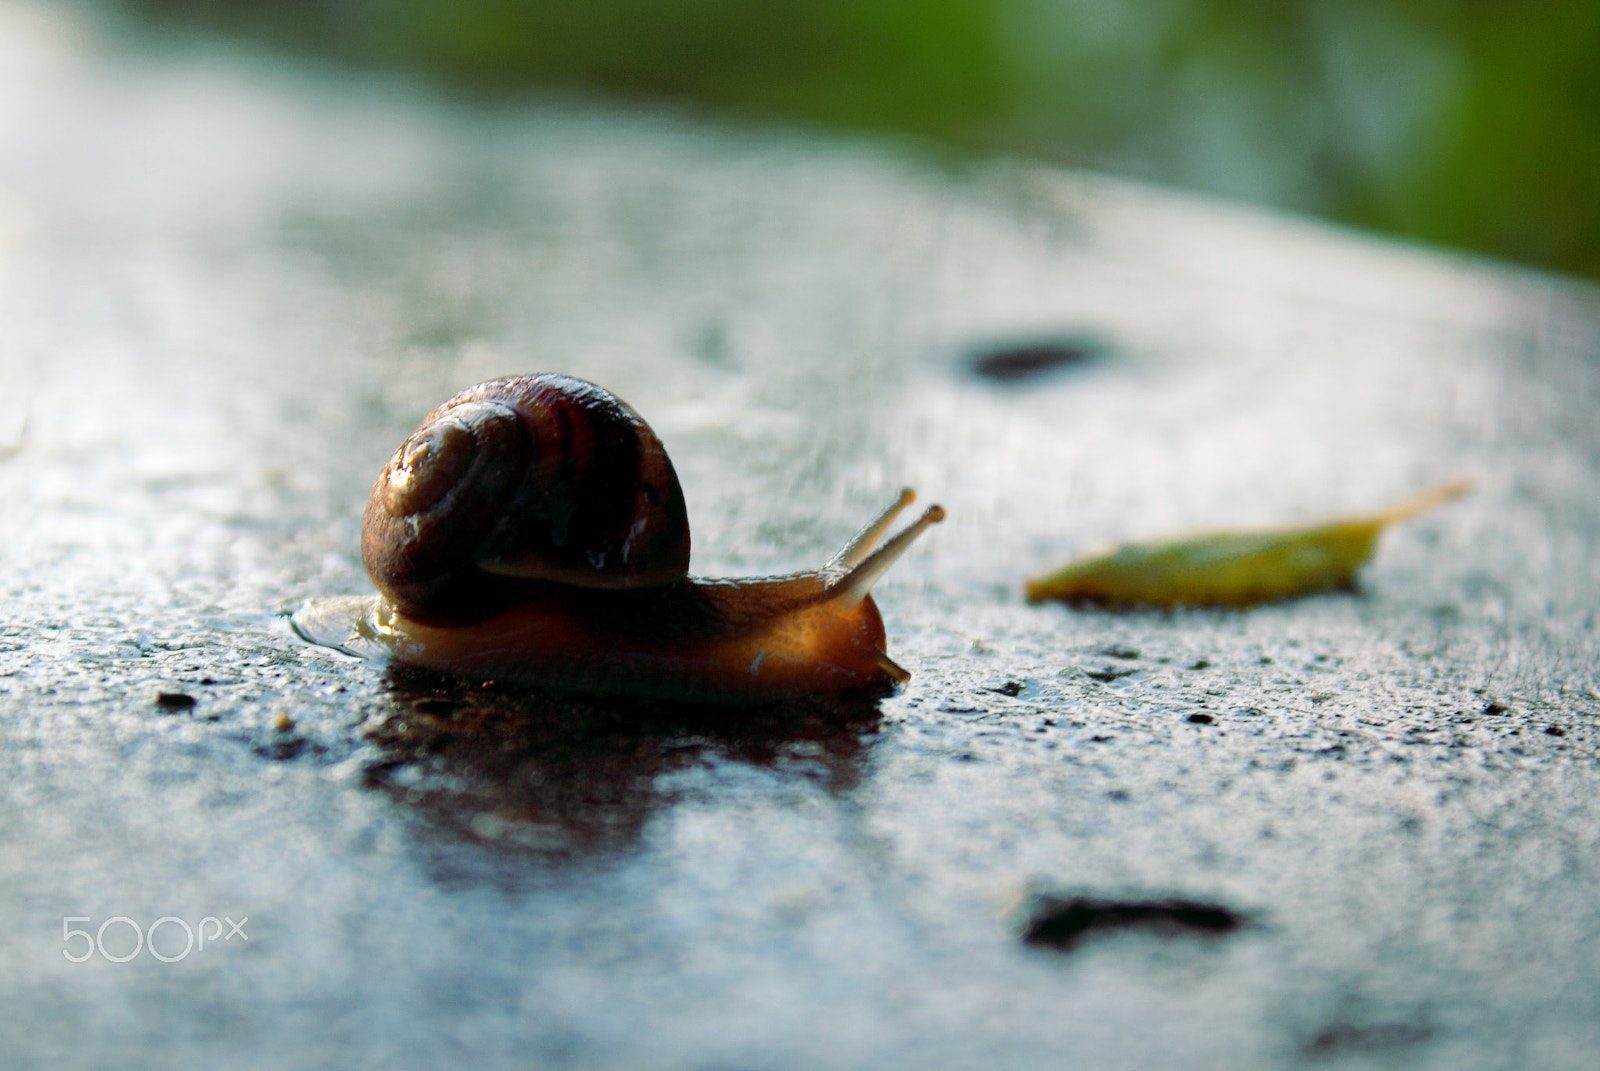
(1063,922)
(1011,688)
(1015,362)
(1555,730)
(174,701)
(1201,719)
(1200,664)
(1116,650)
(1495,708)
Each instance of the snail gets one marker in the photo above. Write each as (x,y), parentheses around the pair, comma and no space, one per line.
(532,530)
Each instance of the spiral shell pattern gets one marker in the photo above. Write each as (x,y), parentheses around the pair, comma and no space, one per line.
(520,482)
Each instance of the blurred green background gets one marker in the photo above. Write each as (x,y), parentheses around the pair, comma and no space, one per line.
(1467,123)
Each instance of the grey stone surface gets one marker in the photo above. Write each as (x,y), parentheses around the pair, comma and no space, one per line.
(227,291)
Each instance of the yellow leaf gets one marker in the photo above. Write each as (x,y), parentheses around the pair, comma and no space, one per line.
(1232,568)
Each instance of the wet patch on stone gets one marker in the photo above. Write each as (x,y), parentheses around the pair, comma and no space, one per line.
(525,768)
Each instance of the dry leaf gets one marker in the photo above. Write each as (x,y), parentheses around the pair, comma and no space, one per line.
(1232,568)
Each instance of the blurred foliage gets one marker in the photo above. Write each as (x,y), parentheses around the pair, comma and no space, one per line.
(1473,123)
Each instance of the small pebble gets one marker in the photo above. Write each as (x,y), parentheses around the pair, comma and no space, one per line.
(283,723)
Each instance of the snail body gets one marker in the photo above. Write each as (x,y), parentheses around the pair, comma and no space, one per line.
(532,529)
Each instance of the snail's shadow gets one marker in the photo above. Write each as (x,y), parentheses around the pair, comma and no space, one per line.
(528,770)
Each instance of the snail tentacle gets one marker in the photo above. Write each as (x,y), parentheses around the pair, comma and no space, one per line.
(859,580)
(863,542)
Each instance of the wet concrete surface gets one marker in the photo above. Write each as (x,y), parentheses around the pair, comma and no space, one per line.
(229,289)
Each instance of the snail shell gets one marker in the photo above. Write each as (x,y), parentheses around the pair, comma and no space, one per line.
(527,478)
(532,529)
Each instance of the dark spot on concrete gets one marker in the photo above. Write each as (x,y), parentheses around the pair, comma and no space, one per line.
(1201,719)
(1101,739)
(207,680)
(1015,362)
(174,701)
(1118,794)
(1266,660)
(382,772)
(711,344)
(1555,730)
(1200,664)
(283,750)
(1341,1038)
(1118,651)
(1495,708)
(1062,923)
(1108,674)
(1010,688)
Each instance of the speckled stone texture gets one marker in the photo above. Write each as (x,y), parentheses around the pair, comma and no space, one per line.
(228,289)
